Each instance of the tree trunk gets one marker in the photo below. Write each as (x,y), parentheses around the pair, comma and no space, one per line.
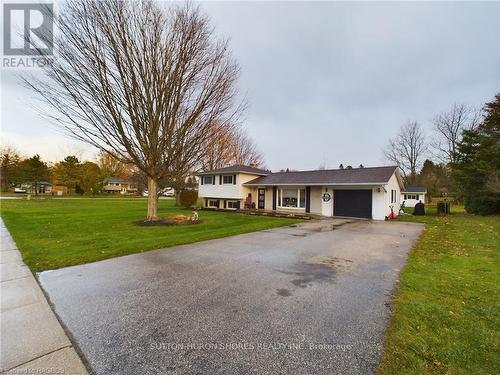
(152,199)
(5,181)
(178,197)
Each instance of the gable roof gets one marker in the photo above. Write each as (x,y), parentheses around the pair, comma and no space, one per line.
(355,176)
(415,189)
(237,168)
(39,183)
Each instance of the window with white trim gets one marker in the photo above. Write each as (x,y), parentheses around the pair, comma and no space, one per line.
(213,203)
(393,196)
(232,204)
(291,198)
(208,180)
(411,196)
(227,179)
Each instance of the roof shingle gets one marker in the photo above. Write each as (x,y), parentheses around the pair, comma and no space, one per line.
(374,175)
(238,169)
(415,189)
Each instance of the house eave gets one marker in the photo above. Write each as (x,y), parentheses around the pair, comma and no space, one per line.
(230,173)
(321,184)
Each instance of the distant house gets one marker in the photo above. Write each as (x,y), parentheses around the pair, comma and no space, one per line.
(359,192)
(59,190)
(115,185)
(37,187)
(412,195)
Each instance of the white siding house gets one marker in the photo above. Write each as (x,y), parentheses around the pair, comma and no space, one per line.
(224,187)
(412,195)
(361,192)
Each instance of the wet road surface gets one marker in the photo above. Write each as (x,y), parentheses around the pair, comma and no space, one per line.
(313,298)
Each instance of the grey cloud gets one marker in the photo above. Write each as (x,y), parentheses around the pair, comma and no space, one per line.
(333,81)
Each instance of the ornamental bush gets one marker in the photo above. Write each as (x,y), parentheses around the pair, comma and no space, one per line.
(188,198)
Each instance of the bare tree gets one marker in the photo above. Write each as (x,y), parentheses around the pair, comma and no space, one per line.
(407,149)
(111,166)
(218,148)
(245,151)
(449,126)
(141,82)
(208,146)
(230,145)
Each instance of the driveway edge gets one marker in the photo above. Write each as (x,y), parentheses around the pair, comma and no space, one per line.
(32,338)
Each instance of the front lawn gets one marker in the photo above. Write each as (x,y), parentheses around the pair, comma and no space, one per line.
(446,318)
(54,233)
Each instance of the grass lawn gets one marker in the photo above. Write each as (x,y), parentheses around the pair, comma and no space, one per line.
(54,233)
(446,318)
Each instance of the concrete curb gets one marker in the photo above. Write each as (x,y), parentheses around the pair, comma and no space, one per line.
(31,338)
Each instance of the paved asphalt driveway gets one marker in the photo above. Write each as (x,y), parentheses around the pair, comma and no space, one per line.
(300,300)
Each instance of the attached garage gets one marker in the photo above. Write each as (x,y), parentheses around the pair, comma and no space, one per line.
(353,203)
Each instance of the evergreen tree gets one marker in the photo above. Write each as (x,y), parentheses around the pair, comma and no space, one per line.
(33,170)
(68,172)
(9,167)
(478,160)
(436,178)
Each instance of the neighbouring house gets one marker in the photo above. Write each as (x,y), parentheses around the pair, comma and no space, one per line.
(118,185)
(360,192)
(412,195)
(37,187)
(59,190)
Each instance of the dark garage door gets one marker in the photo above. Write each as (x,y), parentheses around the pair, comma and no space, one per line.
(353,203)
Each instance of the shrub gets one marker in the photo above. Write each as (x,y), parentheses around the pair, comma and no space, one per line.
(79,190)
(188,198)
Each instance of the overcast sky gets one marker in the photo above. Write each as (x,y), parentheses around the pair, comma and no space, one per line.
(326,82)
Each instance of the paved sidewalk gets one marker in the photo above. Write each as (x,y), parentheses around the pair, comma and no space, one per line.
(31,338)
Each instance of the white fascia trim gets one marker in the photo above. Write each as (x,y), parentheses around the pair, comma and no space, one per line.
(323,184)
(399,177)
(230,173)
(223,198)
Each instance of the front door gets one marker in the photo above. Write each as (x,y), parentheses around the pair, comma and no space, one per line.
(262,199)
(327,202)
